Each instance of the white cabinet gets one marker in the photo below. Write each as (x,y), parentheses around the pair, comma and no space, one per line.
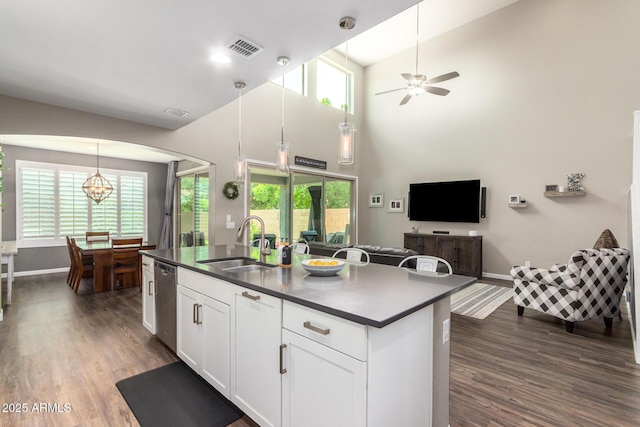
(204,328)
(256,356)
(321,386)
(148,295)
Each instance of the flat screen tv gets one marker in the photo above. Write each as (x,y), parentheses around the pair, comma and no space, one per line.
(451,201)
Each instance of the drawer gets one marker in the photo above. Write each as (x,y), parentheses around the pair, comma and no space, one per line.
(335,332)
(206,285)
(147,264)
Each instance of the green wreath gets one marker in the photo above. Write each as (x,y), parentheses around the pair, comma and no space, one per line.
(230,190)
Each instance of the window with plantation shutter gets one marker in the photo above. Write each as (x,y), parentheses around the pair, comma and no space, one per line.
(132,205)
(38,204)
(74,210)
(51,204)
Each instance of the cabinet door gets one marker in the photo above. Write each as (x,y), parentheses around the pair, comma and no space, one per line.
(257,331)
(447,250)
(322,387)
(188,332)
(215,339)
(467,257)
(148,301)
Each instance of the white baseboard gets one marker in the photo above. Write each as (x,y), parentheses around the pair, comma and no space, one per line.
(497,276)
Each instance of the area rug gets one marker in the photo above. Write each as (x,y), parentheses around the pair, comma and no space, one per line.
(479,300)
(173,395)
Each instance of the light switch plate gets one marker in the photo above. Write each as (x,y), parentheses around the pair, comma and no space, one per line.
(231,225)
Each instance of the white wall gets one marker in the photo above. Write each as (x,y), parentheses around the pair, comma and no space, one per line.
(547,88)
(310,127)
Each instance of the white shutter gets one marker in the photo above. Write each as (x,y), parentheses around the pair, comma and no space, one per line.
(38,216)
(104,215)
(52,205)
(132,205)
(73,204)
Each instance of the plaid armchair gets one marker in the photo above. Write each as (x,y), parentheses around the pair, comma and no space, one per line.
(589,286)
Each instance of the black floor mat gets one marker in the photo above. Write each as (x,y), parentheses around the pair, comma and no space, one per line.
(174,395)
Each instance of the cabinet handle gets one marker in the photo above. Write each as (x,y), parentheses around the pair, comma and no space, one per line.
(146,264)
(282,369)
(248,295)
(198,311)
(195,313)
(150,284)
(308,325)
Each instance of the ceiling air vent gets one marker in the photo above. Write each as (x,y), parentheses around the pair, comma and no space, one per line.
(176,112)
(244,47)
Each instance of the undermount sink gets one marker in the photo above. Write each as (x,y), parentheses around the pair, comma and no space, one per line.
(237,265)
(246,268)
(225,263)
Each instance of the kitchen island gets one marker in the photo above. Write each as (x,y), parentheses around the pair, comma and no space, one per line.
(367,347)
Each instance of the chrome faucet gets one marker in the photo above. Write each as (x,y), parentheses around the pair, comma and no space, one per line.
(264,248)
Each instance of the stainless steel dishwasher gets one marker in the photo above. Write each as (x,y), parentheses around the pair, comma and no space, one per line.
(165,277)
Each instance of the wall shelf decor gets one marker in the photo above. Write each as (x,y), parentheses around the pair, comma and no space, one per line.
(564,193)
(518,205)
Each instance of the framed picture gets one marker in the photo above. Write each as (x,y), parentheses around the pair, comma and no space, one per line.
(376,200)
(550,188)
(396,205)
(514,199)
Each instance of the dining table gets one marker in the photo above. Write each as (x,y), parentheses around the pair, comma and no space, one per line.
(101,251)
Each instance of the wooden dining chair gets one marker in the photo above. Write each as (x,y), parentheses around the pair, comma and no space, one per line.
(97,236)
(126,262)
(72,267)
(77,266)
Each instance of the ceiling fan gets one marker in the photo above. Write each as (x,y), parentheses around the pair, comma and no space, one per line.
(418,84)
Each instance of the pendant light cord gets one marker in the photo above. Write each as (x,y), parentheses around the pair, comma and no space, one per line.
(239,122)
(282,130)
(346,76)
(417,33)
(98,158)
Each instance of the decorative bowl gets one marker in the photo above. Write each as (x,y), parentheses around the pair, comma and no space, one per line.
(323,270)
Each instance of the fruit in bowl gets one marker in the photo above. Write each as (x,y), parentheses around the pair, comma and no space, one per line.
(323,267)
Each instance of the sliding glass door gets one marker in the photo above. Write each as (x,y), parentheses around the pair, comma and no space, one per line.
(302,205)
(193,210)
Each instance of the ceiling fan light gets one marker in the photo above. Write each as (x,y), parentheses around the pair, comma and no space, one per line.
(346,152)
(415,91)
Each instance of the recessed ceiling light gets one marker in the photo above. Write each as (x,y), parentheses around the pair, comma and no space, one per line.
(220,58)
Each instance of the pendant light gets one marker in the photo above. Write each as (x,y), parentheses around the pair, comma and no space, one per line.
(97,187)
(346,150)
(282,156)
(239,163)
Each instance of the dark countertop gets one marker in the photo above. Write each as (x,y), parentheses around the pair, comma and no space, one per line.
(372,294)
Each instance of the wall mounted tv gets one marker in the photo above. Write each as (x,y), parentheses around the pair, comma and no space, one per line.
(451,201)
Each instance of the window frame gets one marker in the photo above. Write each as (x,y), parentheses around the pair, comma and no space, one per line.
(350,83)
(58,239)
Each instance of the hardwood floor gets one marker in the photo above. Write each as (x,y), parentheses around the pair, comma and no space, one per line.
(60,348)
(528,371)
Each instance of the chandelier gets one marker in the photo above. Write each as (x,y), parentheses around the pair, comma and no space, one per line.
(97,187)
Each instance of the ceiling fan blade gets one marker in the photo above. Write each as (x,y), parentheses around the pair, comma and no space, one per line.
(407,76)
(437,90)
(444,77)
(406,99)
(392,90)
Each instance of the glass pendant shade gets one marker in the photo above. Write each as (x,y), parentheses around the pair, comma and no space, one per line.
(346,153)
(239,168)
(282,157)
